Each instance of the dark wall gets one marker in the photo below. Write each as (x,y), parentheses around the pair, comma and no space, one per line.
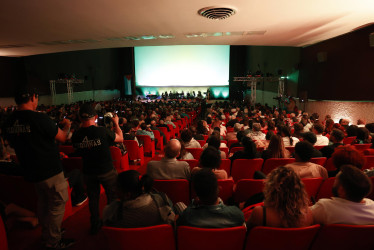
(249,59)
(341,68)
(101,69)
(12,75)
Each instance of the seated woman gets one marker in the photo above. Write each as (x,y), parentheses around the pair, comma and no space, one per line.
(288,140)
(346,155)
(211,159)
(184,154)
(137,206)
(189,141)
(249,152)
(275,149)
(215,141)
(286,202)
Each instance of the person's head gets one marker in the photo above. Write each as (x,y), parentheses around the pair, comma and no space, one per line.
(276,147)
(303,151)
(87,112)
(284,191)
(337,136)
(318,128)
(27,95)
(186,135)
(237,127)
(249,146)
(256,127)
(363,135)
(214,141)
(240,135)
(344,155)
(143,126)
(298,127)
(351,184)
(352,131)
(126,128)
(130,185)
(172,149)
(210,158)
(269,134)
(309,137)
(206,186)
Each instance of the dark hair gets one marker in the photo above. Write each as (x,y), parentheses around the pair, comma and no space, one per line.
(126,128)
(269,134)
(214,141)
(24,94)
(337,134)
(352,131)
(344,155)
(130,181)
(356,184)
(286,132)
(319,128)
(249,147)
(143,126)
(304,150)
(210,158)
(310,137)
(206,186)
(200,128)
(276,147)
(240,135)
(363,135)
(186,135)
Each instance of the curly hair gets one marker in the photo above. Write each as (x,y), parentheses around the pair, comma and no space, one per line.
(284,191)
(347,154)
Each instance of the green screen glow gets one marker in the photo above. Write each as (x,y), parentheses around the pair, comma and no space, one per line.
(182,65)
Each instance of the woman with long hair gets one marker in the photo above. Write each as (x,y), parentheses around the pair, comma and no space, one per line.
(276,149)
(288,140)
(286,202)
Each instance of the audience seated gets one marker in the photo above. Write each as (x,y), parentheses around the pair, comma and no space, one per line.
(211,158)
(184,154)
(189,141)
(249,152)
(276,149)
(137,205)
(336,138)
(168,167)
(312,138)
(349,205)
(208,210)
(286,202)
(321,139)
(302,166)
(215,141)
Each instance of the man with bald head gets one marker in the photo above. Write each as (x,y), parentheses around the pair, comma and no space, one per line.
(168,167)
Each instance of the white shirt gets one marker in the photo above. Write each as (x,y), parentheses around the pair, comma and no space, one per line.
(322,140)
(341,211)
(192,144)
(287,143)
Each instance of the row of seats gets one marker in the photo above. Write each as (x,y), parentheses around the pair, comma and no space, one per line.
(316,237)
(180,190)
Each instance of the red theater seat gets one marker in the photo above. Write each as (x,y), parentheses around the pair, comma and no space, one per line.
(160,140)
(312,185)
(320,161)
(160,237)
(135,152)
(245,168)
(177,190)
(265,238)
(247,188)
(148,144)
(120,162)
(193,238)
(325,191)
(3,236)
(196,152)
(192,163)
(273,163)
(345,237)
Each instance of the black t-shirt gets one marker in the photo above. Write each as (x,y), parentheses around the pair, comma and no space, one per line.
(93,144)
(32,135)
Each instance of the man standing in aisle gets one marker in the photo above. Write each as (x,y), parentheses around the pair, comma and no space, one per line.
(93,144)
(32,134)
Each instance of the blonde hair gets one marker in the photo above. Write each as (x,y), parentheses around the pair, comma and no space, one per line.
(284,191)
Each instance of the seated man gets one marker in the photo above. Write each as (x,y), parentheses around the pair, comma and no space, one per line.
(302,166)
(312,138)
(128,134)
(336,137)
(256,134)
(169,167)
(349,205)
(318,130)
(207,210)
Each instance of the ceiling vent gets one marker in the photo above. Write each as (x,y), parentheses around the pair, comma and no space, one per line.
(216,13)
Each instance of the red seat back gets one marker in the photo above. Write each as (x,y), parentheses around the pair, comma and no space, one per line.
(135,152)
(160,140)
(325,191)
(312,185)
(261,238)
(369,162)
(344,237)
(320,161)
(236,149)
(193,163)
(246,188)
(165,131)
(245,168)
(226,165)
(273,163)
(206,137)
(148,144)
(196,152)
(319,147)
(120,162)
(3,236)
(369,151)
(362,147)
(230,142)
(160,237)
(226,150)
(177,190)
(291,149)
(202,142)
(329,165)
(210,238)
(349,140)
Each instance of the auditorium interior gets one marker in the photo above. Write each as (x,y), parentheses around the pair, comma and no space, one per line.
(319,54)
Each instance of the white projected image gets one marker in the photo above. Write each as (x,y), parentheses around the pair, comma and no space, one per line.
(182,65)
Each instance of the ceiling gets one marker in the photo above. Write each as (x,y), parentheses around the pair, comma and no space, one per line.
(47,26)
